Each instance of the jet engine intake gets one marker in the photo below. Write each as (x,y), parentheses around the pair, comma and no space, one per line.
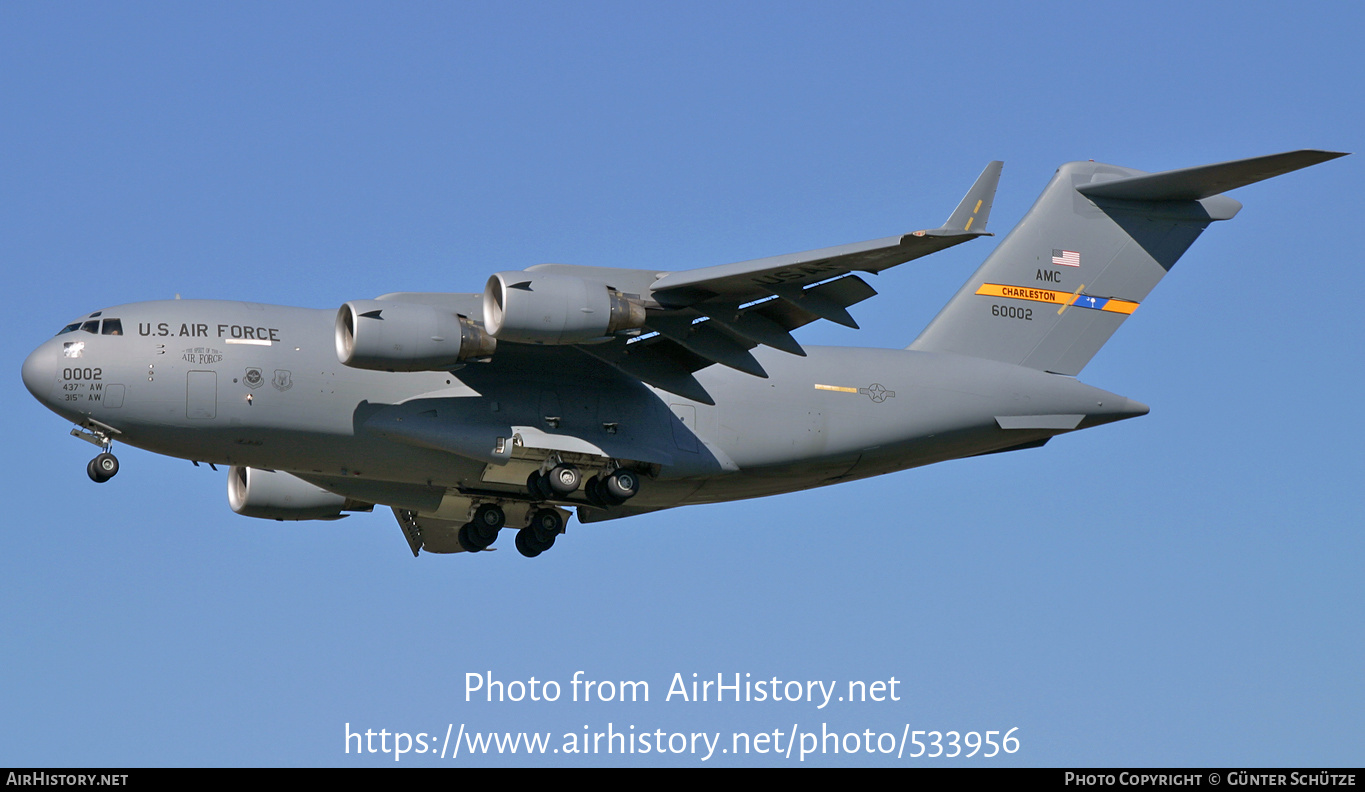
(532,308)
(383,335)
(272,495)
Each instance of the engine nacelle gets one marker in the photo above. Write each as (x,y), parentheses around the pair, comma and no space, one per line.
(383,335)
(532,308)
(272,495)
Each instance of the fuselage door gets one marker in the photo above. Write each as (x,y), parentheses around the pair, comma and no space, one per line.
(201,395)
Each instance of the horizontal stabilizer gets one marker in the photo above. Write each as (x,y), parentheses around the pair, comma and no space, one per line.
(1193,184)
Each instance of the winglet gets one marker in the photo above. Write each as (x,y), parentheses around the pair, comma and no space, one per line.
(972,213)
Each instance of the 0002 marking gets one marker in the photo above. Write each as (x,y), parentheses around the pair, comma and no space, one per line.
(1010,312)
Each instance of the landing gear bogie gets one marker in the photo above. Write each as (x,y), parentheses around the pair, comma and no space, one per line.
(621,485)
(473,538)
(537,537)
(564,479)
(482,530)
(593,491)
(469,541)
(524,547)
(539,486)
(612,489)
(489,517)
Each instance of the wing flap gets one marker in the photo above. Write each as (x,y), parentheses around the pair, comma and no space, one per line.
(756,327)
(798,310)
(704,338)
(657,361)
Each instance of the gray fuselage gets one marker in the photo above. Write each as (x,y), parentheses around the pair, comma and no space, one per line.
(260,386)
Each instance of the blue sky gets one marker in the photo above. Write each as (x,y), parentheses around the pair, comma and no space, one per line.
(1179,589)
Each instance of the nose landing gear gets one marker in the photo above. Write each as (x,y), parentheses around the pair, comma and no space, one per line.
(102,468)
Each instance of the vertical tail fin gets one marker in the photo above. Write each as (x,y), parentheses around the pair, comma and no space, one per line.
(1093,246)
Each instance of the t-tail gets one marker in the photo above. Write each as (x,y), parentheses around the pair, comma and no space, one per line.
(1086,255)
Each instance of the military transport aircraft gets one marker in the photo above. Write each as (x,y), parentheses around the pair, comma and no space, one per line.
(624,391)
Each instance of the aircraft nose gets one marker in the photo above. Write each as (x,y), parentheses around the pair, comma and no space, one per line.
(40,371)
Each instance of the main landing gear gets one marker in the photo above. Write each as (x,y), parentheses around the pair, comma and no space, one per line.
(482,531)
(603,491)
(613,489)
(560,482)
(537,537)
(544,523)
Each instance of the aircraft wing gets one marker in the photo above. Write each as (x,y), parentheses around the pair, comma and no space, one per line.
(710,315)
(767,277)
(682,322)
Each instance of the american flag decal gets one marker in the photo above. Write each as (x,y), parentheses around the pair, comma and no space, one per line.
(1066,258)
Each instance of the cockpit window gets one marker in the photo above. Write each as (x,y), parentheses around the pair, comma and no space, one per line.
(112,327)
(69,328)
(92,326)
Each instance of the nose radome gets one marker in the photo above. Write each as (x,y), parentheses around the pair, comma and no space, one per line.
(40,372)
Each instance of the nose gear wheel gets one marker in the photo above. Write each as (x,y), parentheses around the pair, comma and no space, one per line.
(102,468)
